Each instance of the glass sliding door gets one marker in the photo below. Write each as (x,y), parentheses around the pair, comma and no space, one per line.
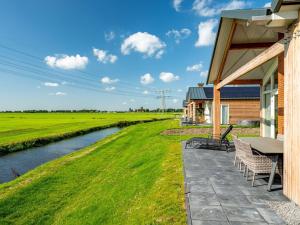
(267,116)
(270,107)
(224,114)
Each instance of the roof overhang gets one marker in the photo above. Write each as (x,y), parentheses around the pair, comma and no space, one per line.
(254,31)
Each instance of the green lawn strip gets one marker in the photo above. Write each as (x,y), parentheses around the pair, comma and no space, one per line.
(46,132)
(134,179)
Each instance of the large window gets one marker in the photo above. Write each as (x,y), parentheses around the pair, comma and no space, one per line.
(225,114)
(270,106)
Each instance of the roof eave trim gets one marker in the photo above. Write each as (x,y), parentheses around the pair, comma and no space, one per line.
(231,14)
(275,5)
(215,44)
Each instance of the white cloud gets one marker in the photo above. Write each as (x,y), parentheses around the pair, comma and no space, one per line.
(195,68)
(204,73)
(50,84)
(124,103)
(208,8)
(132,100)
(267,5)
(145,43)
(145,92)
(177,4)
(206,33)
(67,62)
(58,93)
(103,56)
(179,35)
(109,36)
(107,80)
(179,90)
(168,77)
(146,79)
(201,7)
(110,88)
(175,100)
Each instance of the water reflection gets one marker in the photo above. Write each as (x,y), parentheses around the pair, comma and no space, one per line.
(14,164)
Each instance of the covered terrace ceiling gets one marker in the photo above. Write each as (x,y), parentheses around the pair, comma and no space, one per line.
(242,35)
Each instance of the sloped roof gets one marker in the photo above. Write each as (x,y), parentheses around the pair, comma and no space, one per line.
(237,28)
(195,93)
(229,92)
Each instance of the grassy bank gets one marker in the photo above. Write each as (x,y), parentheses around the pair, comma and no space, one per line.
(132,177)
(20,131)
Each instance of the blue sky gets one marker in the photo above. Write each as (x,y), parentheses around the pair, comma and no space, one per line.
(108,54)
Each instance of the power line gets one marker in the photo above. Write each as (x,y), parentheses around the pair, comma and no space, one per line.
(85,83)
(39,78)
(70,82)
(162,96)
(40,59)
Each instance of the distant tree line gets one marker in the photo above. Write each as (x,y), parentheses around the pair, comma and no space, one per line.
(52,111)
(141,109)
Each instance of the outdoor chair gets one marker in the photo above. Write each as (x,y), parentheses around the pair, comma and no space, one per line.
(257,164)
(239,154)
(221,143)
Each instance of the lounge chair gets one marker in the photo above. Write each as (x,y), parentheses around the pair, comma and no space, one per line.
(221,144)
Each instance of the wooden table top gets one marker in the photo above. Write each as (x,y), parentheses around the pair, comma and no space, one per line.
(265,145)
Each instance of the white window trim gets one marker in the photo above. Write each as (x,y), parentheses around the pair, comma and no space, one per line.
(272,92)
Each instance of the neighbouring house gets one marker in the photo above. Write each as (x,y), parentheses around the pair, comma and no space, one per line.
(185,108)
(238,104)
(262,46)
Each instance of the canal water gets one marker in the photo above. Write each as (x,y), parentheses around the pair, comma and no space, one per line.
(23,161)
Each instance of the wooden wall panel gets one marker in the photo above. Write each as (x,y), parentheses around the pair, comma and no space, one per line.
(243,110)
(281,94)
(292,114)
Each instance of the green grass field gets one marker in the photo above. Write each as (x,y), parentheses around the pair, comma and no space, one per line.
(20,130)
(132,177)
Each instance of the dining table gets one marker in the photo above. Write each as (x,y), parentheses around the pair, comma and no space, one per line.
(270,147)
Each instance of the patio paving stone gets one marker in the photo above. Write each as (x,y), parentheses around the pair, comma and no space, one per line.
(217,193)
(214,213)
(209,222)
(200,199)
(243,214)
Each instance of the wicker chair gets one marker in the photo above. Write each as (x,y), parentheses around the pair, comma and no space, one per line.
(238,153)
(257,164)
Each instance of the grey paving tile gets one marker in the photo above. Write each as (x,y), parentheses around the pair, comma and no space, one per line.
(228,181)
(200,173)
(228,190)
(201,187)
(244,223)
(195,178)
(214,213)
(209,222)
(270,216)
(233,200)
(258,190)
(243,214)
(203,199)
